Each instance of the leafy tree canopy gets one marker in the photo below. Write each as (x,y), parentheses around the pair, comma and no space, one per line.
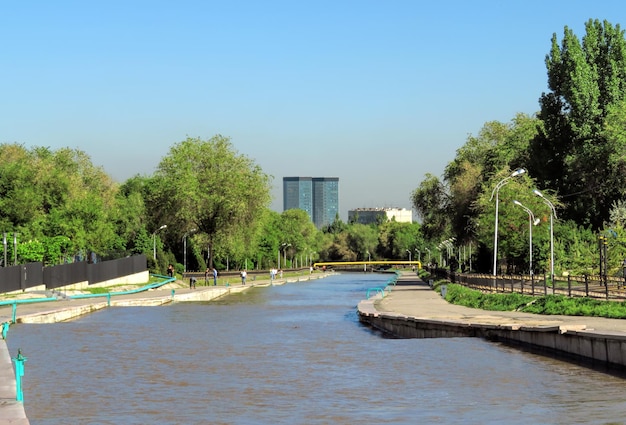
(207,185)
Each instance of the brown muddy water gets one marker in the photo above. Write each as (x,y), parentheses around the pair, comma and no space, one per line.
(292,354)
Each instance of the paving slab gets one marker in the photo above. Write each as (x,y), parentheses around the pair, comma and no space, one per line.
(413,297)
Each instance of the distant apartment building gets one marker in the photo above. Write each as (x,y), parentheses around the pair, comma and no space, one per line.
(318,196)
(380,215)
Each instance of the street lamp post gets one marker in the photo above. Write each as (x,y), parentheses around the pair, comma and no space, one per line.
(532,221)
(496,191)
(185,249)
(283,246)
(449,249)
(409,251)
(428,254)
(419,255)
(552,214)
(154,240)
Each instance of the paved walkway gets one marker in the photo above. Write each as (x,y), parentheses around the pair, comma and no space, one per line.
(414,298)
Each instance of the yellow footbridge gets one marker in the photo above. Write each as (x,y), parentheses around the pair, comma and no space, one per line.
(418,264)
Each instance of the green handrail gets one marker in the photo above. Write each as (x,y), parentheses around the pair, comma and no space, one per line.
(380,291)
(14,303)
(130,291)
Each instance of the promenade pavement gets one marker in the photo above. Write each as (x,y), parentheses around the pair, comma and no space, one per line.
(413,297)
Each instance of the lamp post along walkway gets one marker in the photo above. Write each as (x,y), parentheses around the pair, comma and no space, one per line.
(496,191)
(552,215)
(532,221)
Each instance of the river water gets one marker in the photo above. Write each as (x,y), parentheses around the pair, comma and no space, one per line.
(292,354)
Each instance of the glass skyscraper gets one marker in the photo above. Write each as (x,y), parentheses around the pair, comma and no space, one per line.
(318,196)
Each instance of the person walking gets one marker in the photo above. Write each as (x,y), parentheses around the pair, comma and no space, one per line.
(214,276)
(243,276)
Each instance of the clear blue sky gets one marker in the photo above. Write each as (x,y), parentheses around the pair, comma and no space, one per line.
(377,93)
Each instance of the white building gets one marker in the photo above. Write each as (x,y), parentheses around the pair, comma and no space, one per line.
(380,215)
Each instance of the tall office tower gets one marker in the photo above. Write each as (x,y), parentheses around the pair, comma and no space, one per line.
(325,200)
(298,193)
(318,196)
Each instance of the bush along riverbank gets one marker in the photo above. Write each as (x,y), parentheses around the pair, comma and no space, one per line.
(548,304)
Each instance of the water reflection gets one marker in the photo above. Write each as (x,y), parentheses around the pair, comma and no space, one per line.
(291,354)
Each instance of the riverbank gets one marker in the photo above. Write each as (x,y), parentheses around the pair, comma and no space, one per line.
(11,411)
(413,310)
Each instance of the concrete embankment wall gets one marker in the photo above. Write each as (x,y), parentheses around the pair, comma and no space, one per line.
(580,344)
(11,411)
(63,311)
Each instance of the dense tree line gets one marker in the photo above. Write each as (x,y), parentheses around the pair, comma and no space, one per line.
(212,200)
(574,152)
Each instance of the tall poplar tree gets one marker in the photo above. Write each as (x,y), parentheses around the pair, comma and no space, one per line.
(574,153)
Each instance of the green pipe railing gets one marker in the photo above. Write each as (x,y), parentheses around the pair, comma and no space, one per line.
(391,282)
(29,300)
(380,291)
(166,280)
(14,303)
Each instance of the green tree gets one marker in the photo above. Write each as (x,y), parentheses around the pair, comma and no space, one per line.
(395,239)
(432,204)
(575,152)
(497,146)
(131,215)
(47,194)
(207,185)
(362,239)
(267,239)
(297,230)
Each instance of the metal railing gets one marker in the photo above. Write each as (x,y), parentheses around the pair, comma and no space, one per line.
(591,286)
(383,290)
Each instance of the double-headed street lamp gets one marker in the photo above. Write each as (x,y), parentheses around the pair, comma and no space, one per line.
(495,192)
(532,221)
(552,214)
(283,246)
(449,249)
(154,240)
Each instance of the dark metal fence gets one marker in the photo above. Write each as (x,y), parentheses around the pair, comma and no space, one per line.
(30,275)
(571,286)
